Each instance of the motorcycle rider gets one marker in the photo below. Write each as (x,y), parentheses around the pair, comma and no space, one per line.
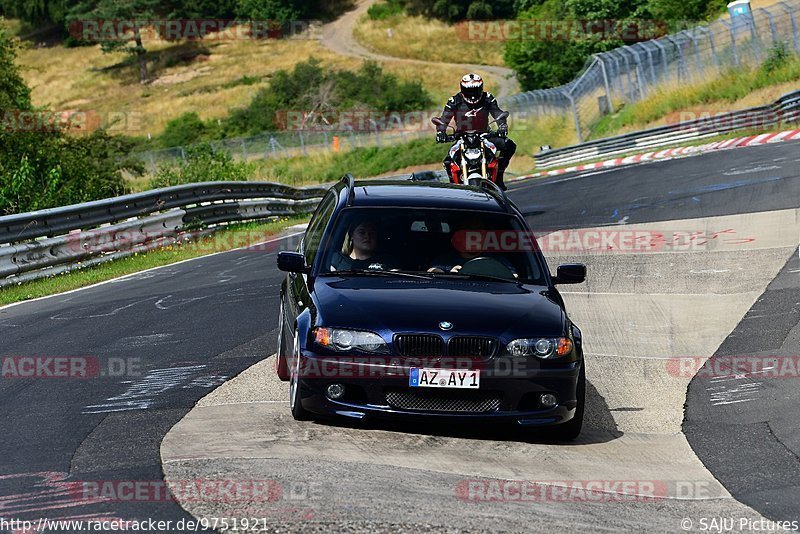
(471,109)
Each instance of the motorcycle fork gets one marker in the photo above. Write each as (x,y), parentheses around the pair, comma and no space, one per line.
(483,160)
(464,180)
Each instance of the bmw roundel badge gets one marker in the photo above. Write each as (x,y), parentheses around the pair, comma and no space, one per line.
(446,325)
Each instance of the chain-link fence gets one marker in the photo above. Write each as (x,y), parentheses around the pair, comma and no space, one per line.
(285,144)
(623,75)
(630,73)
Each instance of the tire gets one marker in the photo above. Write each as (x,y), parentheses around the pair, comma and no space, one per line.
(298,412)
(281,367)
(572,428)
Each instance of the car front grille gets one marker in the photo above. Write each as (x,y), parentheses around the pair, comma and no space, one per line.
(472,347)
(443,401)
(419,345)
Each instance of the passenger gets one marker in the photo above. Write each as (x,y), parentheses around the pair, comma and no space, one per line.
(360,250)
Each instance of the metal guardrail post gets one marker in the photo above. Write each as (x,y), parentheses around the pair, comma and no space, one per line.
(575,117)
(650,61)
(527,100)
(754,37)
(663,50)
(605,82)
(711,45)
(697,57)
(681,61)
(734,51)
(377,133)
(302,143)
(772,30)
(795,37)
(638,65)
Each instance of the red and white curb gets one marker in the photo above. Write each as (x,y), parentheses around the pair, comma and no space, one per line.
(673,153)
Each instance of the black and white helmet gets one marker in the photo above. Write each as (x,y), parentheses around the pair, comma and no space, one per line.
(472,88)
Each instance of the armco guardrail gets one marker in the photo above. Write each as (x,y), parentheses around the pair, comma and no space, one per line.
(43,243)
(785,110)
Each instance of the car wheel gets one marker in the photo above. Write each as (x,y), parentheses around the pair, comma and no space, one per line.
(281,367)
(572,428)
(298,412)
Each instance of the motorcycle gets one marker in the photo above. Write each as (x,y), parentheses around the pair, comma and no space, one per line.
(474,157)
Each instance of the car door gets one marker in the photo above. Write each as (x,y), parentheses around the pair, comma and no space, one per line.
(298,297)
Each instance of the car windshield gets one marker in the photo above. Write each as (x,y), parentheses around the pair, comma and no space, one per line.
(455,244)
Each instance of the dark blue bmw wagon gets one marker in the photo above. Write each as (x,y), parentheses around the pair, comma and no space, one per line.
(424,300)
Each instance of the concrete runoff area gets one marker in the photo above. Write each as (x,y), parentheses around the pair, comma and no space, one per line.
(640,312)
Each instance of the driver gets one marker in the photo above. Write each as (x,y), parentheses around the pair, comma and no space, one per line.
(471,109)
(454,260)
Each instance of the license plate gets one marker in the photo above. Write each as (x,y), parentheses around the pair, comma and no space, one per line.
(445,378)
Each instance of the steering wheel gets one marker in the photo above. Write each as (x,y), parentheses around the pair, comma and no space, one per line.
(486,266)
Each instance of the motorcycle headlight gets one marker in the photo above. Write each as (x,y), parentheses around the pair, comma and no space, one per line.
(342,340)
(472,153)
(545,348)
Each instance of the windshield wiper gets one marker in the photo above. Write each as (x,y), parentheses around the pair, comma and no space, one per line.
(400,274)
(480,277)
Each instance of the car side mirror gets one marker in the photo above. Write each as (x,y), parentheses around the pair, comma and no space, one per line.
(292,262)
(570,273)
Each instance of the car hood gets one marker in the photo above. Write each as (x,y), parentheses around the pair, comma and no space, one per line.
(495,309)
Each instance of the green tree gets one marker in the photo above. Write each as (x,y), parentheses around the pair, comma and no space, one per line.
(548,62)
(44,168)
(14,93)
(108,12)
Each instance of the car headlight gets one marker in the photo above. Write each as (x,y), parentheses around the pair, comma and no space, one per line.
(342,340)
(545,348)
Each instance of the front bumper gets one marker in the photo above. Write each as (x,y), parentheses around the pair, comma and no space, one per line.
(512,393)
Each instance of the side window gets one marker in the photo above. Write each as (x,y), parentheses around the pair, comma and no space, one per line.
(317,226)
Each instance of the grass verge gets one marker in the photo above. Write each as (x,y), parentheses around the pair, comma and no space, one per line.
(232,237)
(730,91)
(361,162)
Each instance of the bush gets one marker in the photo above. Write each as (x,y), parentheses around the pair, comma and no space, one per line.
(309,86)
(188,129)
(470,9)
(778,57)
(202,164)
(385,10)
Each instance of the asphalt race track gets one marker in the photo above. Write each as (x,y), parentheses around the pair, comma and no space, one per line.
(724,283)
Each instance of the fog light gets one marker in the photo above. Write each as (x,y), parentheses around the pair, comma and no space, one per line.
(548,400)
(335,391)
